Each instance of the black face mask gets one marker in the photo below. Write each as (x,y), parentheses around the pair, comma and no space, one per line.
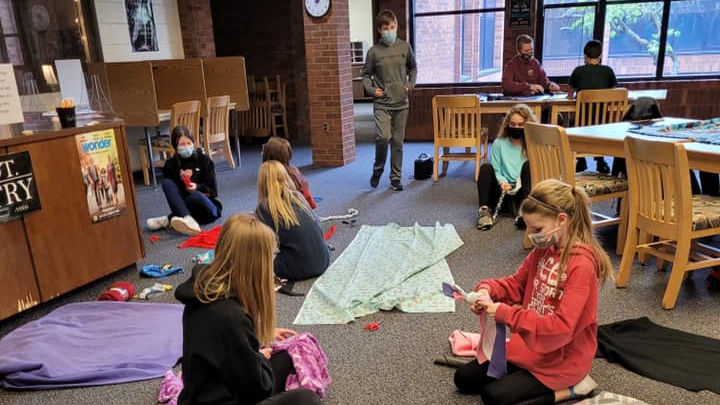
(515,133)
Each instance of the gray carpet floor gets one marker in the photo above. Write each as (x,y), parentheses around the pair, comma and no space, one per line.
(394,365)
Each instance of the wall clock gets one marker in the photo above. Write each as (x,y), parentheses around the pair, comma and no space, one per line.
(40,17)
(317,8)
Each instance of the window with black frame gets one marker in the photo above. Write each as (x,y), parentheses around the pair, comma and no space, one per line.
(644,39)
(458,42)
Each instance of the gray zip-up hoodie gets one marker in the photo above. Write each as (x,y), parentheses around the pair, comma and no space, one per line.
(391,68)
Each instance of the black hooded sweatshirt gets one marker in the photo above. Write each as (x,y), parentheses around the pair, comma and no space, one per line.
(203,174)
(221,362)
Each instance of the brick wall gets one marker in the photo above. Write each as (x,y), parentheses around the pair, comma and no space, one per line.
(329,78)
(196,25)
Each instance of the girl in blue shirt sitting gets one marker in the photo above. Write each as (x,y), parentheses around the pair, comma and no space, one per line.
(508,170)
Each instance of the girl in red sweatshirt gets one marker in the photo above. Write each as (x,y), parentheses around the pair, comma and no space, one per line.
(549,305)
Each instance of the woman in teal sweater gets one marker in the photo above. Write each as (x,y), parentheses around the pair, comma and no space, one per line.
(508,170)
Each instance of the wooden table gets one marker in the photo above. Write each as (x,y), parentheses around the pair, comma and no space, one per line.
(608,140)
(568,106)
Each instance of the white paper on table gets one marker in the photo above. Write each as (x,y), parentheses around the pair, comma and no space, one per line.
(72,81)
(10,109)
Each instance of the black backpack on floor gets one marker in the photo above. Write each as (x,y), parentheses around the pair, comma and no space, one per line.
(423,167)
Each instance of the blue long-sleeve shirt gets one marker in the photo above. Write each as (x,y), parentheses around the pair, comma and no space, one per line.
(507,160)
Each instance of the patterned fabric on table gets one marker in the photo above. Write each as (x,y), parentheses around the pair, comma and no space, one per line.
(707,131)
(384,267)
(608,398)
(706,212)
(159,141)
(600,184)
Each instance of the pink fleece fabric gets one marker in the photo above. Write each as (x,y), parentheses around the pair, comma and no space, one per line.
(464,344)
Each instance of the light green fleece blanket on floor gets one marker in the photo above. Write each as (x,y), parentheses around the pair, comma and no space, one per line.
(384,267)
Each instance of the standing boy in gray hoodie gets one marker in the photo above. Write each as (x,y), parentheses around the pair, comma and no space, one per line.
(389,74)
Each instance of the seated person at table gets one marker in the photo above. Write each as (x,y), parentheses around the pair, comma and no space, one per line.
(189,186)
(592,76)
(710,184)
(523,75)
(303,252)
(279,149)
(508,170)
(229,325)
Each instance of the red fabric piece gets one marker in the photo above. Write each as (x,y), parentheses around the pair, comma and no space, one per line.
(154,238)
(120,291)
(372,326)
(554,339)
(206,239)
(330,232)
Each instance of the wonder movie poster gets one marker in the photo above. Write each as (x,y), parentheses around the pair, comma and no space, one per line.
(100,167)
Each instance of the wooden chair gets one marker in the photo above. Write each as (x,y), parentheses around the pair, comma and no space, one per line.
(550,157)
(456,124)
(186,113)
(277,94)
(256,120)
(216,137)
(662,205)
(596,107)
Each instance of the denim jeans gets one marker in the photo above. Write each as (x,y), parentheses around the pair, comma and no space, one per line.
(195,204)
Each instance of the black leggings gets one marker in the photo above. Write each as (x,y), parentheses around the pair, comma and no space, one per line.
(517,386)
(489,189)
(282,366)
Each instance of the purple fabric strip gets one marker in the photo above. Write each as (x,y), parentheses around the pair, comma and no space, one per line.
(92,343)
(498,361)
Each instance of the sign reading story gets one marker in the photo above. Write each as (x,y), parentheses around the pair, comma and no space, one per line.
(100,167)
(519,13)
(18,193)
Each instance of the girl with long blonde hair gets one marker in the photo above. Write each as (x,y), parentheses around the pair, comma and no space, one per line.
(229,323)
(549,305)
(302,250)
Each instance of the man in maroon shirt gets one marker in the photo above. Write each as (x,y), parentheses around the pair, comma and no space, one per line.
(523,75)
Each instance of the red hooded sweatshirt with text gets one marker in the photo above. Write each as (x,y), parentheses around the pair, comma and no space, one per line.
(555,339)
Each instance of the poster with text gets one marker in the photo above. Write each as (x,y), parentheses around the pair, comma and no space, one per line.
(101,175)
(519,13)
(141,24)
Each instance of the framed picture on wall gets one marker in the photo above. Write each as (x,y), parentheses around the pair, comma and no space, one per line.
(519,13)
(141,24)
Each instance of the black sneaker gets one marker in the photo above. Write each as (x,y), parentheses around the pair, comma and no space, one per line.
(374,180)
(601,166)
(396,185)
(520,223)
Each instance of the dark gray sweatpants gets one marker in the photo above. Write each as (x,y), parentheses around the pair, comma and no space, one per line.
(389,129)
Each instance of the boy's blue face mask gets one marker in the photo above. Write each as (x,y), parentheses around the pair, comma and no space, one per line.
(389,36)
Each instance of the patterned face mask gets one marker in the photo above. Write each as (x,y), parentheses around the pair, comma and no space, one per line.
(542,240)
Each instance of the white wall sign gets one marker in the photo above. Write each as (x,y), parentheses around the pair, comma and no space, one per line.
(10,109)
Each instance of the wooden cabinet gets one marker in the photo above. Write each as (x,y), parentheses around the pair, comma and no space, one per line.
(59,248)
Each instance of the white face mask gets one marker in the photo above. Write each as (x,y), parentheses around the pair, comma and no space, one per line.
(542,240)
